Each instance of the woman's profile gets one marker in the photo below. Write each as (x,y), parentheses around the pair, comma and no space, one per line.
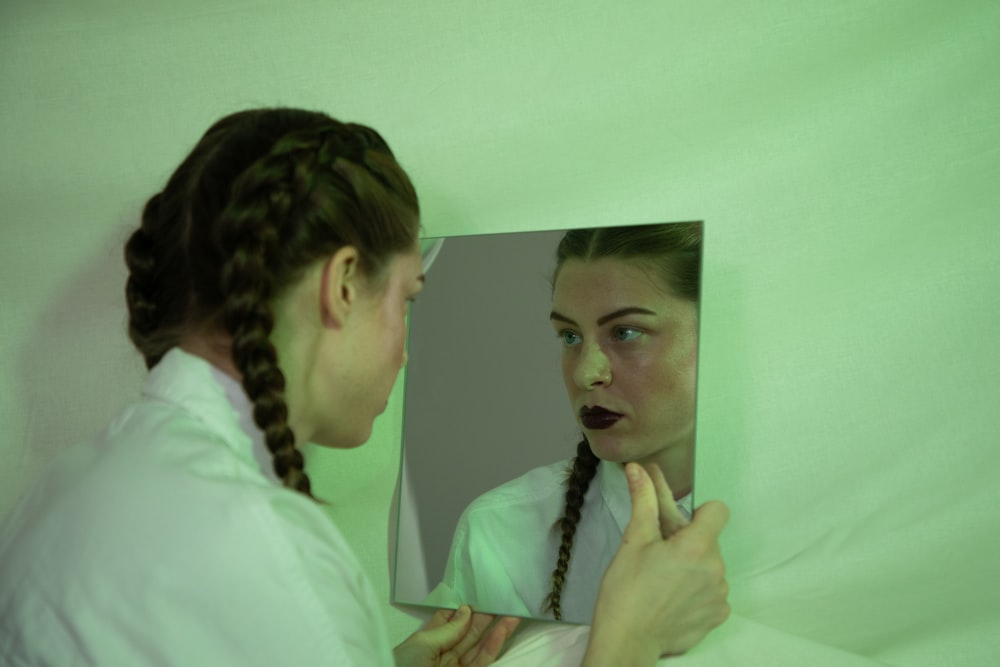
(625,310)
(267,293)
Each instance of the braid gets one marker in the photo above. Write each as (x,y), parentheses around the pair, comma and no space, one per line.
(263,196)
(249,236)
(146,291)
(582,471)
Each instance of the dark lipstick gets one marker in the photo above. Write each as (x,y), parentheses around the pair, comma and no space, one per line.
(597,418)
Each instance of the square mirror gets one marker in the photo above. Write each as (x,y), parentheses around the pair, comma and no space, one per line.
(539,363)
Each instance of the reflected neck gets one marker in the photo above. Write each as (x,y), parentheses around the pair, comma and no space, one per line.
(677,464)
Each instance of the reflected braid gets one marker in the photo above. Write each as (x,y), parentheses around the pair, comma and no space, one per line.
(581,473)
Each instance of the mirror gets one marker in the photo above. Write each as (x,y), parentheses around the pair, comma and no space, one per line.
(486,402)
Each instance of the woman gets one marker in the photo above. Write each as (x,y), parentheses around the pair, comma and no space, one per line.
(267,291)
(625,308)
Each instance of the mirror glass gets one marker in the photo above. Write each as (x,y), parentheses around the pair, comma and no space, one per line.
(510,375)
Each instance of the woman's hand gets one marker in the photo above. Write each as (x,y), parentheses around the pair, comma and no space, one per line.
(660,595)
(456,638)
(671,519)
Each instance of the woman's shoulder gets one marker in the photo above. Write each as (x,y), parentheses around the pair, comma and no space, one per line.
(160,482)
(538,489)
(189,532)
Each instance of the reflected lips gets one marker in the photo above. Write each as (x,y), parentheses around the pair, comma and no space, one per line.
(597,418)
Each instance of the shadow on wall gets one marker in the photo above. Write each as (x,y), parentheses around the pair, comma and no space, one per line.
(78,367)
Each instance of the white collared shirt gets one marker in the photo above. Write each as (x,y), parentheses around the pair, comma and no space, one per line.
(505,546)
(167,540)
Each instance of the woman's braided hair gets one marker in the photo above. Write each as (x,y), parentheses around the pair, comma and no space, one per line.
(581,473)
(673,252)
(264,195)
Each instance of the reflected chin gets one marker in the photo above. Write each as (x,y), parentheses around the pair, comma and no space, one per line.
(605,446)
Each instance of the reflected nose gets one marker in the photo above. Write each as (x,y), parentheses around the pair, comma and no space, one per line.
(593,369)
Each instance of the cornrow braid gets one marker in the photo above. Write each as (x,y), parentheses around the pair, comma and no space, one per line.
(278,188)
(140,288)
(249,235)
(581,473)
(248,318)
(149,290)
(264,195)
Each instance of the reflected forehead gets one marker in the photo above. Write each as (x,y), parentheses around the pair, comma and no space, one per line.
(601,291)
(606,280)
(606,317)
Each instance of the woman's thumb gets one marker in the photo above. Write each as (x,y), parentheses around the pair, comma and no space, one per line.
(644,525)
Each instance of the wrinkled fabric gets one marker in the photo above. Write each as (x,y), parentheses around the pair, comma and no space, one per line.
(161,541)
(505,547)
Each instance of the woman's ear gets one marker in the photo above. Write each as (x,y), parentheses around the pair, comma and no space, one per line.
(340,283)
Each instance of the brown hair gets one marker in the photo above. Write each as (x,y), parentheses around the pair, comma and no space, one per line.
(673,252)
(263,195)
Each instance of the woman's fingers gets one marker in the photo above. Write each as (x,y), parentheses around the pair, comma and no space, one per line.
(461,638)
(671,519)
(448,635)
(491,645)
(710,519)
(440,617)
(644,525)
(468,641)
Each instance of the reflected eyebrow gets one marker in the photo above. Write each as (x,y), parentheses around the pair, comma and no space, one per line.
(631,310)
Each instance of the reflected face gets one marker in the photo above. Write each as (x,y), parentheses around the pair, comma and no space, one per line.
(629,357)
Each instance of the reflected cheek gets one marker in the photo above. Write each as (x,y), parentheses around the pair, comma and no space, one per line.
(568,375)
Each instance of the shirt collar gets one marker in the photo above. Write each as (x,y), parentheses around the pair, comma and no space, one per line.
(190,382)
(614,490)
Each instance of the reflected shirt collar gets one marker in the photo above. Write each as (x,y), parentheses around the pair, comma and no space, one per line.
(614,491)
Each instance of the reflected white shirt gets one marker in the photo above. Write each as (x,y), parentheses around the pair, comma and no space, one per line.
(163,541)
(504,548)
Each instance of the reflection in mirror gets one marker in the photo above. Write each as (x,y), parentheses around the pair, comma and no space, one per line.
(539,363)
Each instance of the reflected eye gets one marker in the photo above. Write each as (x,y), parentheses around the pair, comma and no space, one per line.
(568,337)
(625,333)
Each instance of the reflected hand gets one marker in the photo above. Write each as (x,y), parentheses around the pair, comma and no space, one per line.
(660,596)
(456,638)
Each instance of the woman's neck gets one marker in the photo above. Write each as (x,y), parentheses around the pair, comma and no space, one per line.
(677,464)
(216,349)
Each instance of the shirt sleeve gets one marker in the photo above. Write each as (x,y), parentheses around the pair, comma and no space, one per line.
(479,571)
(318,573)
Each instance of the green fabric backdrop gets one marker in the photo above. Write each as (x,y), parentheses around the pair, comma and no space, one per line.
(843,155)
